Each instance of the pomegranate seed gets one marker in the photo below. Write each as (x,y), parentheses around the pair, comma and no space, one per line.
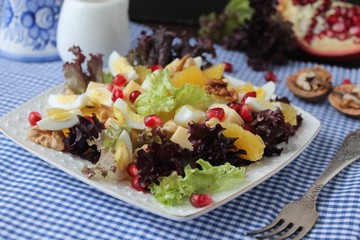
(110,87)
(218,113)
(246,114)
(117,93)
(134,95)
(236,106)
(153,68)
(136,185)
(152,120)
(200,200)
(355,20)
(119,80)
(332,19)
(89,118)
(228,67)
(34,117)
(132,170)
(354,30)
(270,76)
(346,81)
(248,94)
(338,27)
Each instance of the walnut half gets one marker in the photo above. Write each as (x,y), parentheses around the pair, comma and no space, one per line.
(310,84)
(220,88)
(346,99)
(47,138)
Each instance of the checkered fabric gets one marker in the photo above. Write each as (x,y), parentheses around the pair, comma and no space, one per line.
(38,201)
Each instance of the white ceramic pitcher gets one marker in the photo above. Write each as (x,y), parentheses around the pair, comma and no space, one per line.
(96,26)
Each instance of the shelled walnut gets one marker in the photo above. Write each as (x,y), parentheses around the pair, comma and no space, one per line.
(310,84)
(220,88)
(47,138)
(346,99)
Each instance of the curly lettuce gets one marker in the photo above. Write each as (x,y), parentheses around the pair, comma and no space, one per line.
(173,189)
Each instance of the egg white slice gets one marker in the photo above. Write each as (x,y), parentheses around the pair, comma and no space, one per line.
(257,105)
(269,89)
(120,65)
(68,102)
(132,119)
(100,96)
(60,121)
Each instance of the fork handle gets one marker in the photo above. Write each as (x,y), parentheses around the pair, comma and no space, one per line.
(348,153)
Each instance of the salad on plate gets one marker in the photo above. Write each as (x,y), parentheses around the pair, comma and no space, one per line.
(179,131)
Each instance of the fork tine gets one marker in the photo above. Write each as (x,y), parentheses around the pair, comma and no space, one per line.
(276,221)
(289,232)
(281,228)
(301,234)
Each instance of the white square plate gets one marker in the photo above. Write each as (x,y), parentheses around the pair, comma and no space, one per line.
(15,125)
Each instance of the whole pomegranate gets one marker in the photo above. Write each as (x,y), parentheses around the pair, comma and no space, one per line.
(326,28)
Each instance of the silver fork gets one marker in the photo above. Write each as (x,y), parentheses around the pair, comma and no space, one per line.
(297,218)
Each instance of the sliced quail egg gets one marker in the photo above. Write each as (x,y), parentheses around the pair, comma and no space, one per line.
(123,153)
(101,96)
(120,65)
(269,89)
(60,120)
(132,119)
(259,104)
(67,102)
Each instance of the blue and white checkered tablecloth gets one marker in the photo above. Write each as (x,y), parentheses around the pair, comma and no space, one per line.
(38,201)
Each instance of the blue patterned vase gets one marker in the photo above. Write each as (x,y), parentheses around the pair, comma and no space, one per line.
(28,29)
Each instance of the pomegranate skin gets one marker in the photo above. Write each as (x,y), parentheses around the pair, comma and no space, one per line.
(332,40)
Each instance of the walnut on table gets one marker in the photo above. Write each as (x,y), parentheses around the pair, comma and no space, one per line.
(219,87)
(47,138)
(346,99)
(310,84)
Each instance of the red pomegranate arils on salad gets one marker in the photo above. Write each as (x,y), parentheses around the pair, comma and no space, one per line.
(152,120)
(34,117)
(200,200)
(132,170)
(246,114)
(218,113)
(136,185)
(134,95)
(153,68)
(110,87)
(120,80)
(236,106)
(248,94)
(117,93)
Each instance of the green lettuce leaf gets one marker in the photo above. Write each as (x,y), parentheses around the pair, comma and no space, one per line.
(173,189)
(159,98)
(190,94)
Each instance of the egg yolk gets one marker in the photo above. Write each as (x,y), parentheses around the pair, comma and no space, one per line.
(66,99)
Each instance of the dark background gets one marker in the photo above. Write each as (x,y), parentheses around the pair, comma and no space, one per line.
(179,16)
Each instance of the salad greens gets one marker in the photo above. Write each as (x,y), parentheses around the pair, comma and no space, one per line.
(76,79)
(174,188)
(163,97)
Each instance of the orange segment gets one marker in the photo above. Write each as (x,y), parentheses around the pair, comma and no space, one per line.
(214,72)
(192,75)
(251,143)
(289,113)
